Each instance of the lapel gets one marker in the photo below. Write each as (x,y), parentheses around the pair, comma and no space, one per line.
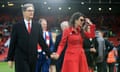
(32,27)
(24,27)
(46,35)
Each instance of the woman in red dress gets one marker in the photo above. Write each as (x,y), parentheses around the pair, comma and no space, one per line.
(75,59)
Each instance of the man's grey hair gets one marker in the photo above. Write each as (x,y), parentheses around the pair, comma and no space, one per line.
(41,19)
(64,24)
(25,6)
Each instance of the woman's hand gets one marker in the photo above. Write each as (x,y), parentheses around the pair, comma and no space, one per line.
(93,50)
(88,21)
(54,55)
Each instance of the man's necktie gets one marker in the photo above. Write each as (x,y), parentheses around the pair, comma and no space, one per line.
(29,28)
(47,38)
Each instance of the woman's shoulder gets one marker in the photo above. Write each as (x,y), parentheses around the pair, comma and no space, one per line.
(67,29)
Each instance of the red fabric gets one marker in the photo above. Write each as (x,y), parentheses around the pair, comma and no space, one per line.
(74,59)
(29,28)
(91,34)
(91,70)
(111,57)
(39,47)
(47,38)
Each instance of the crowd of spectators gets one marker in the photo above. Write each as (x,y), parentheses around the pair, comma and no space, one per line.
(109,23)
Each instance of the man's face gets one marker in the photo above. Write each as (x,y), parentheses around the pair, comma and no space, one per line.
(99,34)
(29,13)
(44,24)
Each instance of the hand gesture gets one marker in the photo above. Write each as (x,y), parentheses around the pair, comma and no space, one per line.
(93,50)
(88,21)
(54,55)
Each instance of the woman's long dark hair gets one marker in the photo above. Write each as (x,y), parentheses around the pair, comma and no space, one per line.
(74,17)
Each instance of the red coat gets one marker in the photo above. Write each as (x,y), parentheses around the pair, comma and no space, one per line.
(74,59)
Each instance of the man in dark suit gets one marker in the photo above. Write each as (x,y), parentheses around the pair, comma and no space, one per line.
(25,36)
(43,62)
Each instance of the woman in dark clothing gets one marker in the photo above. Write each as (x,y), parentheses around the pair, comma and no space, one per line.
(90,46)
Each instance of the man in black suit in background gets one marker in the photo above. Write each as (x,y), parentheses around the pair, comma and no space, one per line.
(25,36)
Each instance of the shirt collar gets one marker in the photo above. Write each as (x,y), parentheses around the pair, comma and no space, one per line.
(75,30)
(26,22)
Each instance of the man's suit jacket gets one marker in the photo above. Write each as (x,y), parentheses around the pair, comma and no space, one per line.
(23,44)
(108,48)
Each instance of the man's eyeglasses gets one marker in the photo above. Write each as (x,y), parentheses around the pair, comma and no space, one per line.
(30,10)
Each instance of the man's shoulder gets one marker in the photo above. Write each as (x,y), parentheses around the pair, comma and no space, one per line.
(17,24)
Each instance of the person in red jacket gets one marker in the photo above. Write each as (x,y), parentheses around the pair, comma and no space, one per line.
(75,59)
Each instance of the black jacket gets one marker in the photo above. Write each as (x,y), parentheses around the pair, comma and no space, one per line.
(24,45)
(91,57)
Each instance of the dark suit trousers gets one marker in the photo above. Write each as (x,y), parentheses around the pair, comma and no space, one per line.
(101,67)
(111,67)
(42,63)
(25,65)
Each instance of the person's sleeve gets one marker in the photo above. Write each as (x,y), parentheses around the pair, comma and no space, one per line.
(11,51)
(91,34)
(57,41)
(63,41)
(109,45)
